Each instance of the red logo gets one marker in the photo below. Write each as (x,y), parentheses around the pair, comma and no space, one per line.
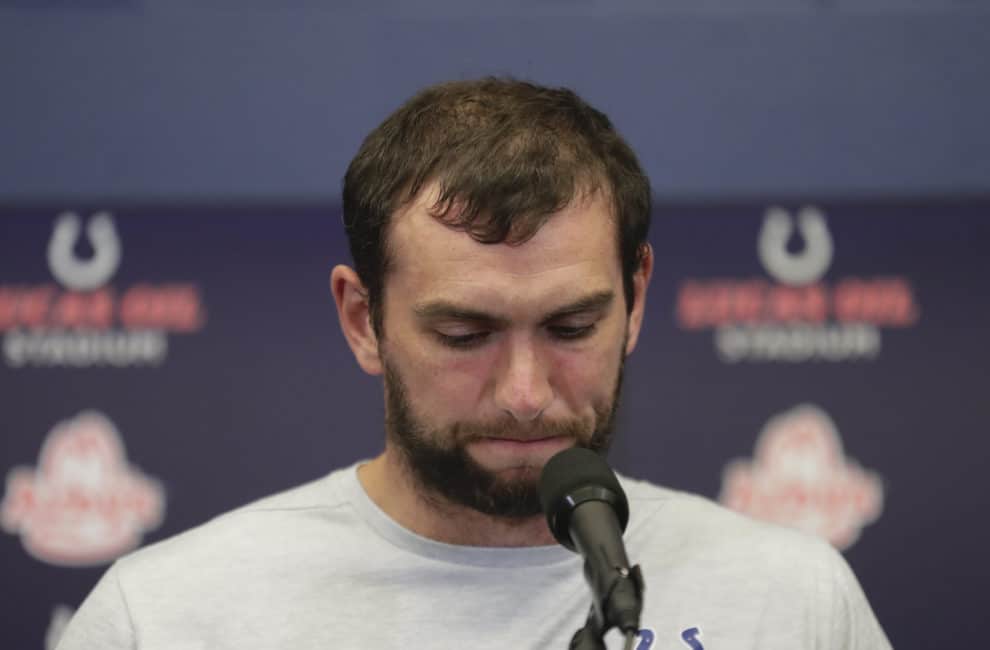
(800,478)
(85,504)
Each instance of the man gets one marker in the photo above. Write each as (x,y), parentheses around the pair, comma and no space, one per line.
(498,231)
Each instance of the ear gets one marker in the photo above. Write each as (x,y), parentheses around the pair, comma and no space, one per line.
(641,281)
(354,313)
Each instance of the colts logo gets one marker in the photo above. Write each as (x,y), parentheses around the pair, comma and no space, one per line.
(795,269)
(79,274)
(690,637)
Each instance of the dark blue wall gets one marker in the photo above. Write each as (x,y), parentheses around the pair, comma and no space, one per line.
(269,100)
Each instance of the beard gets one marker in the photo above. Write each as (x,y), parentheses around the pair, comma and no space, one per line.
(439,462)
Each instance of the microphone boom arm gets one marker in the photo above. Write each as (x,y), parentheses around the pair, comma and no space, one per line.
(618,587)
(587,512)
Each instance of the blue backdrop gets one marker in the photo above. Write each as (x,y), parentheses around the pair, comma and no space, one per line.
(250,387)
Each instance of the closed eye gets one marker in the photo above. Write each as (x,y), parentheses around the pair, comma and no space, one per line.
(572,333)
(462,341)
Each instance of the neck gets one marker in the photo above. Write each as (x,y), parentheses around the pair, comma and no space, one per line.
(388,483)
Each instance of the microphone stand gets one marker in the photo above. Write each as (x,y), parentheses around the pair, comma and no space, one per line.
(626,585)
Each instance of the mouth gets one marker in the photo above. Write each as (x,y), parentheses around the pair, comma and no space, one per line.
(522,439)
(515,452)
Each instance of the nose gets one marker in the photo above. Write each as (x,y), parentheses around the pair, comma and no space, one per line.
(522,385)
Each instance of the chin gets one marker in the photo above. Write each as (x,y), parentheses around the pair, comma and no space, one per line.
(525,474)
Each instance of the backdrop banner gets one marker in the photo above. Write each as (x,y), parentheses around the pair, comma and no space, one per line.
(822,365)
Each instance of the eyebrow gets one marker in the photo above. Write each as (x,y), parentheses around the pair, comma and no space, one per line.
(440,309)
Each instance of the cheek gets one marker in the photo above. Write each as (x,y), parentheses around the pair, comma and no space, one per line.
(587,377)
(443,383)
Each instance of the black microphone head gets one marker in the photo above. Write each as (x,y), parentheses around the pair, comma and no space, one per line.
(572,477)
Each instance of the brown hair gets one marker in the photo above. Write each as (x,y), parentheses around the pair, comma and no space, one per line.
(507,154)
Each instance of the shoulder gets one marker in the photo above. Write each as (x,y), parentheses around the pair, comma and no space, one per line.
(248,533)
(706,554)
(688,527)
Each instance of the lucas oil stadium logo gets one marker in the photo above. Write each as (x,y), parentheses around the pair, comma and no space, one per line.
(800,477)
(86,320)
(84,504)
(796,316)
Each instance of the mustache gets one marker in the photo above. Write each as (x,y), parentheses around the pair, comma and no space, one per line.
(510,429)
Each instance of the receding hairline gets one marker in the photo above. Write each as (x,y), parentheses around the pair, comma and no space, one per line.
(430,199)
(427,200)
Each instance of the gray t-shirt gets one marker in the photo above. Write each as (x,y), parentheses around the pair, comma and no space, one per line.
(321,566)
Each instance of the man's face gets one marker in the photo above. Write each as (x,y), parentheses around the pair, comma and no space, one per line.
(497,357)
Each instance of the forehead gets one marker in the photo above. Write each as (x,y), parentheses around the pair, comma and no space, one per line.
(575,249)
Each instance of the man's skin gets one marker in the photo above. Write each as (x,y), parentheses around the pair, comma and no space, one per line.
(524,354)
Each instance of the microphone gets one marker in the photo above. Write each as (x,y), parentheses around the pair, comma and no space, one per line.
(587,512)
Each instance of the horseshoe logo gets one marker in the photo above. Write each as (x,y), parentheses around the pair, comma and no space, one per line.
(79,274)
(800,268)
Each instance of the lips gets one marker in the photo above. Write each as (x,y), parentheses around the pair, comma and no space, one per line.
(514,452)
